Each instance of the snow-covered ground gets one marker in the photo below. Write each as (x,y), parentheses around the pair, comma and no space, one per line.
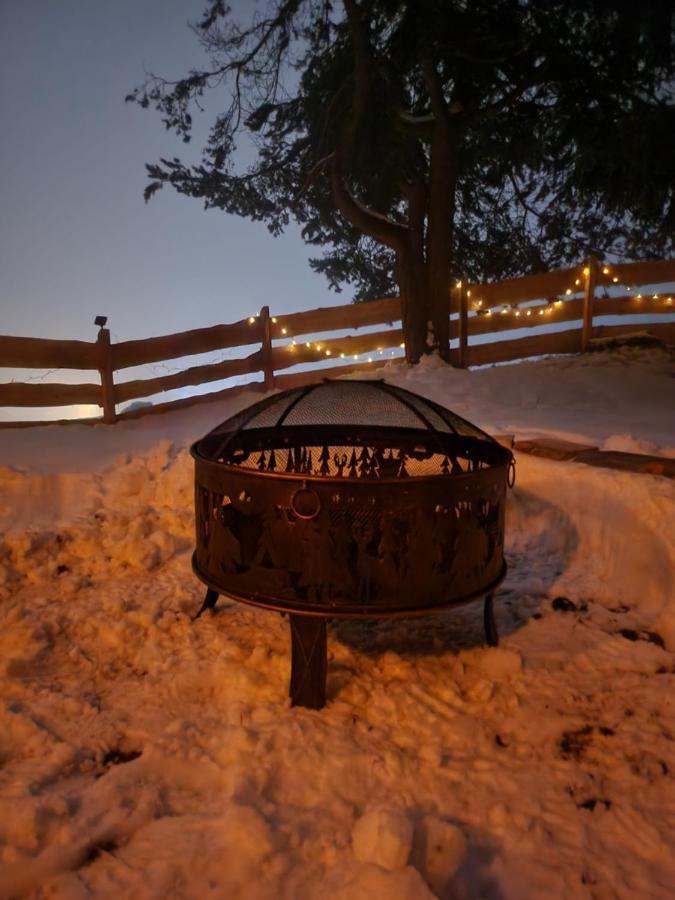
(146,756)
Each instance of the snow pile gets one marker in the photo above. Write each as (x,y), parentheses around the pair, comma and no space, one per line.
(143,755)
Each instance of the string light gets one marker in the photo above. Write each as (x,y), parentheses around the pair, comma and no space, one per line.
(251,320)
(503,309)
(274,320)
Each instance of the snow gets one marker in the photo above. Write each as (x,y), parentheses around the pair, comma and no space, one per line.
(146,756)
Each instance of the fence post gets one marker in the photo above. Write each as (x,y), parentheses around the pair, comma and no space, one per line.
(267,361)
(105,370)
(591,276)
(462,323)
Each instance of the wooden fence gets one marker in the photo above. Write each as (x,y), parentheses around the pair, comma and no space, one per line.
(576,295)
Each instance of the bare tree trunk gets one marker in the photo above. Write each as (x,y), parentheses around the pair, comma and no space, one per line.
(442,182)
(412,279)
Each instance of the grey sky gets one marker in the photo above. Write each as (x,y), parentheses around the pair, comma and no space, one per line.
(76,237)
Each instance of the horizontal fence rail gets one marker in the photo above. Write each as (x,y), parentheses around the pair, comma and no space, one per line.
(580,296)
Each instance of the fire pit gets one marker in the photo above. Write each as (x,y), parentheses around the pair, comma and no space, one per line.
(348,499)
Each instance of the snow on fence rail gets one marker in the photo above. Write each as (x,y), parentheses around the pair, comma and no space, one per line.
(476,311)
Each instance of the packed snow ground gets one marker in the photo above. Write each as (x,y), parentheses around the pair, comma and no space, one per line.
(146,756)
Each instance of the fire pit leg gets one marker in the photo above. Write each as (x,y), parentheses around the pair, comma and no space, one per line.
(308,661)
(209,602)
(491,635)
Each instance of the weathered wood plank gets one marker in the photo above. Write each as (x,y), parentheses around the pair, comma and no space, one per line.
(553,448)
(186,343)
(629,462)
(20,394)
(46,353)
(146,387)
(629,305)
(656,271)
(184,402)
(461,303)
(590,282)
(530,287)
(533,345)
(333,318)
(284,357)
(664,331)
(566,311)
(284,382)
(105,370)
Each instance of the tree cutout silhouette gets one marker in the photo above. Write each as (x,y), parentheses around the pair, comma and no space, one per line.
(324,459)
(353,465)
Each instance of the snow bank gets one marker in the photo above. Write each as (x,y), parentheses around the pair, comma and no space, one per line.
(143,755)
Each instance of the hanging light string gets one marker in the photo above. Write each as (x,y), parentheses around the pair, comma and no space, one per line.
(518,310)
(557,302)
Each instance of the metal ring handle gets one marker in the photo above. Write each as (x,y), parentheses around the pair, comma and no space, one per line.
(511,474)
(305,503)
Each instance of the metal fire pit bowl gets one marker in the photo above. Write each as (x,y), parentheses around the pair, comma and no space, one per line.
(348,499)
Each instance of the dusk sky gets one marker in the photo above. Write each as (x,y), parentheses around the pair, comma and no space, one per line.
(76,238)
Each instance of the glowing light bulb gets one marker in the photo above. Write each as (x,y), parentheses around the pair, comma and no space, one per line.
(308,345)
(558,302)
(459,284)
(529,312)
(517,312)
(488,312)
(327,352)
(342,356)
(274,320)
(251,320)
(605,270)
(577,281)
(284,330)
(541,312)
(504,311)
(568,291)
(639,297)
(355,356)
(615,280)
(587,271)
(655,297)
(402,346)
(370,359)
(468,293)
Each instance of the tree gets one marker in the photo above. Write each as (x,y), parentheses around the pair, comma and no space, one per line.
(425,140)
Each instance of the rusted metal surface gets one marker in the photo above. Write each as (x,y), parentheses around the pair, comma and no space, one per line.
(349,499)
